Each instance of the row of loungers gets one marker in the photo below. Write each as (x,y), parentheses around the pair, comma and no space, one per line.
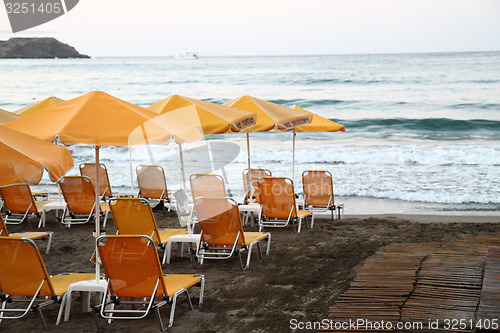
(127,257)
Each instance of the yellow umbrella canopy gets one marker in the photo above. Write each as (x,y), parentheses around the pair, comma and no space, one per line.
(99,119)
(213,118)
(24,158)
(270,115)
(6,116)
(48,102)
(318,123)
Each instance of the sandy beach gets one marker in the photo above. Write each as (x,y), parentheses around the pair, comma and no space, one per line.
(303,276)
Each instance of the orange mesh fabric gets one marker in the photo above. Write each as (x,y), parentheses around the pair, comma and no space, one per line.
(219,220)
(207,186)
(22,269)
(18,198)
(254,174)
(152,182)
(131,216)
(318,188)
(88,169)
(277,197)
(79,194)
(132,266)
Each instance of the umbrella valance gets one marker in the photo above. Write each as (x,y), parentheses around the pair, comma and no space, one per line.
(213,118)
(270,115)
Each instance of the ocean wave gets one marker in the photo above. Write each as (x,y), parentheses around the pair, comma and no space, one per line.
(427,124)
(480,106)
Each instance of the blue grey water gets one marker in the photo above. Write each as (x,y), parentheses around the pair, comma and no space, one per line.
(422,130)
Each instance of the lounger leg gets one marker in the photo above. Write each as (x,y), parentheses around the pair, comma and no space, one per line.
(49,241)
(39,311)
(202,289)
(174,302)
(300,224)
(260,251)
(162,328)
(241,261)
(268,244)
(61,309)
(249,254)
(105,219)
(312,220)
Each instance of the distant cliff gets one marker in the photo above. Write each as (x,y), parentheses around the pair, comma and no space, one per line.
(37,48)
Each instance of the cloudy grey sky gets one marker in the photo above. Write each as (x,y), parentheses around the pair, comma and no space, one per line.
(272,27)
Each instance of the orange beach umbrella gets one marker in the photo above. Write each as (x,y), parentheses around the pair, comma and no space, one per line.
(24,158)
(318,124)
(270,116)
(211,118)
(48,102)
(99,119)
(6,116)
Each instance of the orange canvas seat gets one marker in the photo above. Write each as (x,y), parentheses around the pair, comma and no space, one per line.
(35,235)
(88,170)
(277,197)
(78,192)
(134,216)
(222,234)
(207,186)
(152,183)
(318,192)
(250,185)
(24,280)
(133,270)
(19,202)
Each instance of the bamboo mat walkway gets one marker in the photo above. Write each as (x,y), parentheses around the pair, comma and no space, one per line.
(489,305)
(423,283)
(381,285)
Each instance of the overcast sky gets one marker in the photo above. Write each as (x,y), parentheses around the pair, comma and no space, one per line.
(272,27)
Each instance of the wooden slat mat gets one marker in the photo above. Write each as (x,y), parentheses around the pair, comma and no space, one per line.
(412,283)
(381,285)
(489,305)
(449,284)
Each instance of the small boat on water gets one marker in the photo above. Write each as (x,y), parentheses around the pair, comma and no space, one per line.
(186,55)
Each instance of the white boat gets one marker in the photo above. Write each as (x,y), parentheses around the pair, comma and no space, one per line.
(186,55)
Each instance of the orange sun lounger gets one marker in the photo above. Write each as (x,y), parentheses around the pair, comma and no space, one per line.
(78,192)
(152,183)
(35,235)
(207,186)
(134,216)
(88,169)
(251,187)
(318,193)
(19,200)
(222,234)
(24,280)
(277,197)
(133,270)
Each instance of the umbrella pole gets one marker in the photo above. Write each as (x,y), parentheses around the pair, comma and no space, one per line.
(182,169)
(131,170)
(97,212)
(293,156)
(249,173)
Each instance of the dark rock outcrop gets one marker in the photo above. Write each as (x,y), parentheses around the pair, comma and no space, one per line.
(37,48)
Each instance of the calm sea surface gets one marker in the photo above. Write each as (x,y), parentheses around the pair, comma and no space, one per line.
(422,130)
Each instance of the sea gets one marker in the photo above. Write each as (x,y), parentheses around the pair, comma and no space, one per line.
(422,130)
